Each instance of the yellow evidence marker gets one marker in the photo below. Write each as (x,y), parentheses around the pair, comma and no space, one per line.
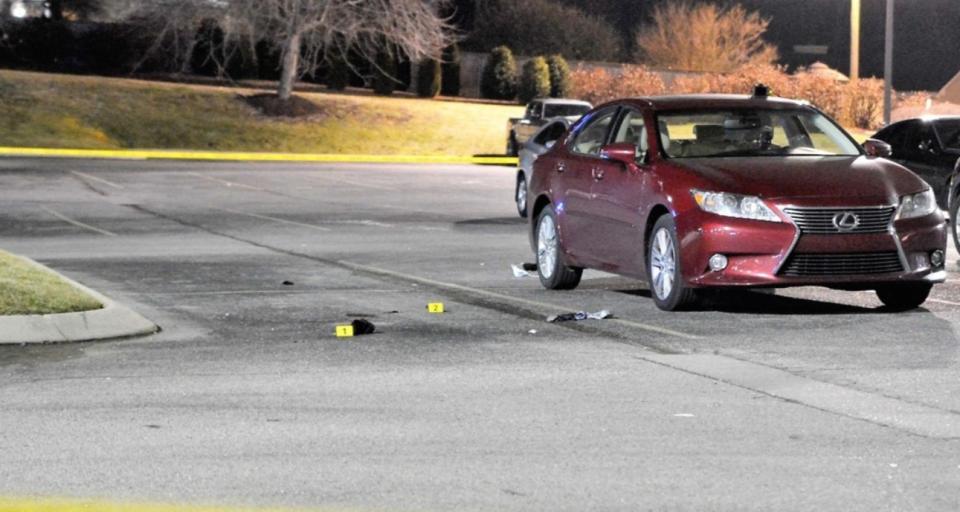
(345,331)
(435,307)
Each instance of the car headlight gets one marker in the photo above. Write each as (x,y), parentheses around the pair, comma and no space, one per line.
(734,205)
(917,205)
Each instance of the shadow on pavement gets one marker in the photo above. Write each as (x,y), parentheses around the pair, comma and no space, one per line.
(767,303)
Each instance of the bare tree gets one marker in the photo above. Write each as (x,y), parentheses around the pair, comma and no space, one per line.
(704,37)
(304,32)
(307,31)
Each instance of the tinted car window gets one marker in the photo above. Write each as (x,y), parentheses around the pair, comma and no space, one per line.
(593,136)
(895,135)
(565,110)
(914,136)
(550,133)
(949,132)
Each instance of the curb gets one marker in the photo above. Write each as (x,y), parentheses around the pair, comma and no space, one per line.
(249,156)
(112,321)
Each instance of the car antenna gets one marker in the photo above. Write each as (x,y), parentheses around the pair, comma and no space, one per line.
(761,91)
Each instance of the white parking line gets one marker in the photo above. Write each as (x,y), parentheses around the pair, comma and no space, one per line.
(76,222)
(98,180)
(361,184)
(224,182)
(941,301)
(509,298)
(275,219)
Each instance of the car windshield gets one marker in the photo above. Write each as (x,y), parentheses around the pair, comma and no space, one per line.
(564,110)
(949,132)
(752,132)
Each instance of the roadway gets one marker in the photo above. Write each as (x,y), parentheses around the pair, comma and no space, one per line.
(809,398)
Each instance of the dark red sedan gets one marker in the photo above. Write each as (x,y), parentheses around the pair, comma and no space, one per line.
(714,191)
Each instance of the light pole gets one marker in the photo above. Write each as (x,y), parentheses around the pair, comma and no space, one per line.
(854,40)
(888,66)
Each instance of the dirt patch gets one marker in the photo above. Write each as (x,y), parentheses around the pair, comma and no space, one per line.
(271,105)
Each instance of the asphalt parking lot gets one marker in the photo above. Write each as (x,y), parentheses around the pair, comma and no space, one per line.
(809,398)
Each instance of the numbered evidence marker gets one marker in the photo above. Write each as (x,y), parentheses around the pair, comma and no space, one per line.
(345,331)
(435,307)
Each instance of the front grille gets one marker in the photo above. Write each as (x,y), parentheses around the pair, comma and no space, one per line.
(802,265)
(820,221)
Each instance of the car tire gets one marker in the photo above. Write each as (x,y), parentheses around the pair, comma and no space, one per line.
(520,195)
(554,274)
(512,147)
(667,288)
(954,225)
(904,297)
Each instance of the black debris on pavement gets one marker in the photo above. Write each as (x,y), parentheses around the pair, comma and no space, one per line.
(362,327)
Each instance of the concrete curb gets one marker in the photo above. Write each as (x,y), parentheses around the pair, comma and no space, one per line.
(112,321)
(234,156)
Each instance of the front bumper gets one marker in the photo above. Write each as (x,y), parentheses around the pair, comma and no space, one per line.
(759,252)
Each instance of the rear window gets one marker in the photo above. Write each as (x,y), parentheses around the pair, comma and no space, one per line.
(949,133)
(565,110)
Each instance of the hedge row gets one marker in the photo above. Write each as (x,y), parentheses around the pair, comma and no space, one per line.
(540,77)
(857,104)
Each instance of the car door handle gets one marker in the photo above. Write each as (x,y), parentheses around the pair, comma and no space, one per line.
(561,167)
(597,173)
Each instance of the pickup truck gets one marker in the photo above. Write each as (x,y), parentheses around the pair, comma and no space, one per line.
(538,112)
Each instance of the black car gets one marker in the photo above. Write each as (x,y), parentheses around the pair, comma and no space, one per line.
(930,147)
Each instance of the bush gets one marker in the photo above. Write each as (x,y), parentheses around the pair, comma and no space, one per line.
(704,37)
(534,80)
(599,85)
(544,27)
(560,86)
(450,71)
(499,80)
(385,73)
(338,73)
(428,78)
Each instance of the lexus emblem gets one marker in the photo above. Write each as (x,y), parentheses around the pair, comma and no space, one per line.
(846,221)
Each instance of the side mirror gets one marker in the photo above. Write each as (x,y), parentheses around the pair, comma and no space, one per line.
(622,152)
(877,148)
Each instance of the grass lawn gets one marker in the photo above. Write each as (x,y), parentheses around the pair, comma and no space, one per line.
(65,111)
(27,290)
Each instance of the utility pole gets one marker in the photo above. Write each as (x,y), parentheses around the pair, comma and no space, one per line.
(854,40)
(888,66)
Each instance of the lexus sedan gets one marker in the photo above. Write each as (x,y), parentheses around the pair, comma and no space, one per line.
(530,150)
(717,191)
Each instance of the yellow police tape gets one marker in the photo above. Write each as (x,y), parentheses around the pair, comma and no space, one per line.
(64,505)
(240,156)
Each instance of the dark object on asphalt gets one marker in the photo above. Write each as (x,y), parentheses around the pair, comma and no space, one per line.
(362,327)
(578,316)
(288,283)
(734,192)
(930,148)
(530,267)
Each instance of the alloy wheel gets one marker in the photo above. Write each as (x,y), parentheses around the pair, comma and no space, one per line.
(547,246)
(663,264)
